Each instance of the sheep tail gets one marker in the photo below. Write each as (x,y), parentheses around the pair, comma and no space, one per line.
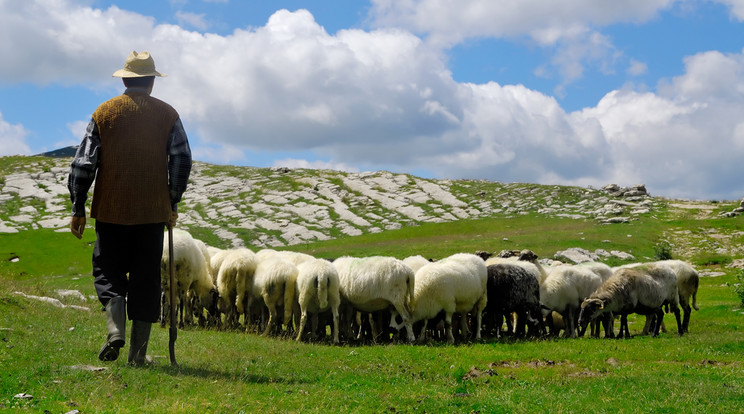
(323,282)
(694,301)
(289,294)
(240,288)
(409,295)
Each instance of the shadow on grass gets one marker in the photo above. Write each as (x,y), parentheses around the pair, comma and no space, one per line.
(210,373)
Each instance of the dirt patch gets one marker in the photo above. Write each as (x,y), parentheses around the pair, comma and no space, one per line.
(539,363)
(474,372)
(585,374)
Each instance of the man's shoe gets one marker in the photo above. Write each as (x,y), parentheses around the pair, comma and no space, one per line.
(116,320)
(138,343)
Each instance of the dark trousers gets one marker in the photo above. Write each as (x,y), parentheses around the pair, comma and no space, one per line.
(133,251)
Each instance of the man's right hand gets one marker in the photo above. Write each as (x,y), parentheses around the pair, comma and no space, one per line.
(77,226)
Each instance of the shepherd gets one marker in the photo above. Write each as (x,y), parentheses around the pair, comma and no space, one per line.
(136,151)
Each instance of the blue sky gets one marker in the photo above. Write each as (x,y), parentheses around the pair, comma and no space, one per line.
(571,92)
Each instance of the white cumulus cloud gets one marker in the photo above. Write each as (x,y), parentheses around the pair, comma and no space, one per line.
(385,98)
(13,139)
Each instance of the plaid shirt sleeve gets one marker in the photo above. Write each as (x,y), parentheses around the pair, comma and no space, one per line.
(179,163)
(83,169)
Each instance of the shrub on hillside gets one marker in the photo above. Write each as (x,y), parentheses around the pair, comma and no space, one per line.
(663,250)
(739,285)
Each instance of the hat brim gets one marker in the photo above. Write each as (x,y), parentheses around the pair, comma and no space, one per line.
(123,73)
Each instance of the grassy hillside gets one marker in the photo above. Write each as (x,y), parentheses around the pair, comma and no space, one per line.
(50,352)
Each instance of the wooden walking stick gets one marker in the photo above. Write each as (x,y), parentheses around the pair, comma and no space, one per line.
(173,332)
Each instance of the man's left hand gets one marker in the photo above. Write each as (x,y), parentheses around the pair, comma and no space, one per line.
(172,221)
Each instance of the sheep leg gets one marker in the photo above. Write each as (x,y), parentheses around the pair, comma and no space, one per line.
(334,311)
(314,327)
(686,322)
(658,319)
(549,324)
(272,318)
(422,335)
(163,307)
(624,331)
(301,328)
(448,328)
(464,326)
(680,325)
(180,311)
(570,321)
(500,317)
(478,321)
(594,326)
(607,322)
(374,326)
(248,301)
(406,317)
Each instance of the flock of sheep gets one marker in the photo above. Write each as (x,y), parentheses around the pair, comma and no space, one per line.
(381,298)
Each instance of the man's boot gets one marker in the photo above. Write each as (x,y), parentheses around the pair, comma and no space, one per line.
(138,342)
(116,320)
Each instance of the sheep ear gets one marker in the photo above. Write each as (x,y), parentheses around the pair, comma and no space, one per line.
(601,305)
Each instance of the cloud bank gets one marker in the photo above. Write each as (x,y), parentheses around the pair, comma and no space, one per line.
(385,99)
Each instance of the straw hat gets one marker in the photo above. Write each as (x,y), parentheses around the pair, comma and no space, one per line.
(138,65)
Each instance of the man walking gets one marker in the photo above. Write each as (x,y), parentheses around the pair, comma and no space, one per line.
(136,150)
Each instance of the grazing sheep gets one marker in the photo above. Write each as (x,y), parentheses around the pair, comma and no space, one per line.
(191,274)
(687,285)
(565,289)
(215,261)
(274,283)
(234,282)
(375,283)
(512,288)
(643,289)
(317,290)
(456,284)
(688,281)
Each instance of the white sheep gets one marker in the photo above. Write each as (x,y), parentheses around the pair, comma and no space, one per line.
(455,284)
(687,285)
(642,289)
(375,283)
(191,273)
(235,271)
(317,290)
(600,269)
(215,261)
(565,289)
(274,285)
(688,281)
(416,262)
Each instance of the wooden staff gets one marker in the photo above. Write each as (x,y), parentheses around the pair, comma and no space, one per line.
(173,332)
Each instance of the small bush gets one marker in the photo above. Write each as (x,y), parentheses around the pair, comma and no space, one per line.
(663,251)
(739,285)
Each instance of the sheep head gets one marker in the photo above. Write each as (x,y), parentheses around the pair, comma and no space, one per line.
(590,310)
(527,255)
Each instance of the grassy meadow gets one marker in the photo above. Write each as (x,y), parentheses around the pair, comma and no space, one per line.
(50,353)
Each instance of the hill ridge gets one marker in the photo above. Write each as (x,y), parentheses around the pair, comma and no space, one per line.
(276,207)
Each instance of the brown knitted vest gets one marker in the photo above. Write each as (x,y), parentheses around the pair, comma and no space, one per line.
(132,181)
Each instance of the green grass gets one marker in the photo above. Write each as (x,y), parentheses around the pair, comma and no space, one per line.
(230,371)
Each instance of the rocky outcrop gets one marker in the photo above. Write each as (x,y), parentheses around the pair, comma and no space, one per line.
(271,207)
